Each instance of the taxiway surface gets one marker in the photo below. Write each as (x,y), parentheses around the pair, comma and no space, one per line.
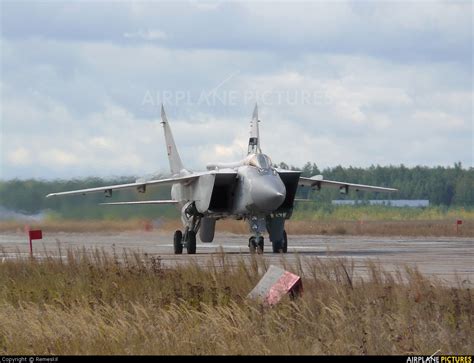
(443,257)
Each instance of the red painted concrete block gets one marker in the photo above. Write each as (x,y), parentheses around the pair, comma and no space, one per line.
(275,284)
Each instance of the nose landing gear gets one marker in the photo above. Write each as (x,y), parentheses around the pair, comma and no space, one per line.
(257,227)
(256,244)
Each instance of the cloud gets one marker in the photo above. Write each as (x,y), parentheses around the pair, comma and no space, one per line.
(19,156)
(146,34)
(342,83)
(425,30)
(58,157)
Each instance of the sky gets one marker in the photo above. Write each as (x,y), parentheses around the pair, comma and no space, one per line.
(337,83)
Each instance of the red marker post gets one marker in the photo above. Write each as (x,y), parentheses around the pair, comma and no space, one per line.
(458,223)
(35,234)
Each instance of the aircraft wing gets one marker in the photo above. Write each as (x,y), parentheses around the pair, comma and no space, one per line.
(143,202)
(140,186)
(318,182)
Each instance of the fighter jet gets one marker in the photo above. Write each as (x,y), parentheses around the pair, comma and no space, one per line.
(251,189)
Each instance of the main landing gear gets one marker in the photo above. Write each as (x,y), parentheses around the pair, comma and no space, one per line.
(187,240)
(282,245)
(192,220)
(178,242)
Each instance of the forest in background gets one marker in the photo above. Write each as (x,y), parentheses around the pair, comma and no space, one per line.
(444,187)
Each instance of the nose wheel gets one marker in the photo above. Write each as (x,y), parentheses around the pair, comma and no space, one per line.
(256,244)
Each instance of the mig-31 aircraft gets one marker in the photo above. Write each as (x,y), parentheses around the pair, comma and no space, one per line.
(251,189)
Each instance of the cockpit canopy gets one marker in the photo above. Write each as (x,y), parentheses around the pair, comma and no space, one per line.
(260,161)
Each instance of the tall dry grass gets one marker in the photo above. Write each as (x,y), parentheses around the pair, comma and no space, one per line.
(383,228)
(91,302)
(445,227)
(66,225)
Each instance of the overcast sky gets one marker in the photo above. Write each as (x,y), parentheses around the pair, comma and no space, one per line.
(349,83)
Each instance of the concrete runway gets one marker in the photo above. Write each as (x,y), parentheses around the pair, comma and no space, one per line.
(443,257)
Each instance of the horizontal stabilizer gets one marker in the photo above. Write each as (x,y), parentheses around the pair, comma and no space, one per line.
(142,202)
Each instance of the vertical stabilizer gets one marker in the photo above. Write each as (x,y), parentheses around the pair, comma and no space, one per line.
(254,140)
(175,161)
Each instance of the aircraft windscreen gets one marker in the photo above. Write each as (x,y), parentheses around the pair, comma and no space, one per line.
(260,161)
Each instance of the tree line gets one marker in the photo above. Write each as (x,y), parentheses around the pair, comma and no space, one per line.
(442,186)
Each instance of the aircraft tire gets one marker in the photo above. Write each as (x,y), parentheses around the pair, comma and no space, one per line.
(260,245)
(178,242)
(252,245)
(277,246)
(282,245)
(191,242)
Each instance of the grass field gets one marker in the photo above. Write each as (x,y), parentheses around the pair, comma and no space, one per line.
(97,303)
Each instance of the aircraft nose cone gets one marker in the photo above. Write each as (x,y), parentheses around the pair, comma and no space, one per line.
(269,195)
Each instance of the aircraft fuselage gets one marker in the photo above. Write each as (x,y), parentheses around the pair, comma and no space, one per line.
(258,191)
